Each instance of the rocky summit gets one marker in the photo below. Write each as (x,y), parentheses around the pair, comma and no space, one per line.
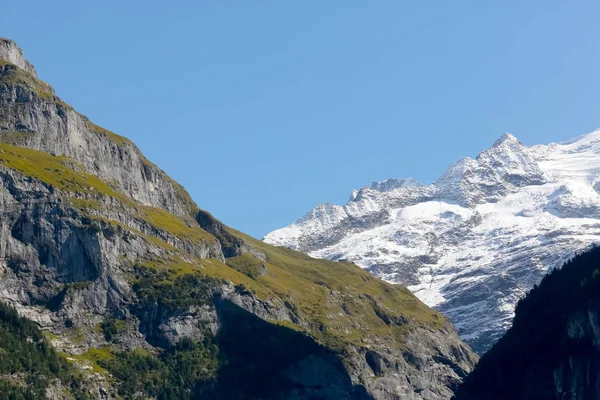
(472,243)
(125,288)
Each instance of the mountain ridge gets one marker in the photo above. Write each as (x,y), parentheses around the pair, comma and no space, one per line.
(134,284)
(456,242)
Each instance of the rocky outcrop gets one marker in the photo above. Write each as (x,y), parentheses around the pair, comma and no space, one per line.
(9,51)
(111,257)
(428,357)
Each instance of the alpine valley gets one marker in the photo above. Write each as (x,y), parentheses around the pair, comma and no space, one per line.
(115,284)
(472,243)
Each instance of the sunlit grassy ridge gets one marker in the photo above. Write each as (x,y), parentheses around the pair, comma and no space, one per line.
(342,302)
(14,76)
(64,174)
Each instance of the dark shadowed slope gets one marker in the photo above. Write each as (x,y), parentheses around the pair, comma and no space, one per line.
(552,350)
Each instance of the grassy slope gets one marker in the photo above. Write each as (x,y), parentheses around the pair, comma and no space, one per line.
(343,302)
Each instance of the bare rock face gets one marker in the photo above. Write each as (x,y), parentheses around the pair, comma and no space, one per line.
(413,373)
(9,51)
(109,255)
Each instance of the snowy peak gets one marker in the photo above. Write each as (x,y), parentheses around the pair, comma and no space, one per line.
(9,51)
(496,172)
(506,151)
(473,242)
(510,159)
(506,140)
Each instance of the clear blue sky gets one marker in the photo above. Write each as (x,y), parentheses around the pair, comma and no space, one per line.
(263,109)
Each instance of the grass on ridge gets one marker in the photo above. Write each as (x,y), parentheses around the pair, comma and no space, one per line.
(10,74)
(57,171)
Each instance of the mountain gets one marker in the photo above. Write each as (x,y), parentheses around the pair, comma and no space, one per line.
(551,351)
(477,239)
(140,293)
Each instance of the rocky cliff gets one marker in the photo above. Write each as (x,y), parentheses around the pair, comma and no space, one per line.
(553,349)
(474,241)
(150,296)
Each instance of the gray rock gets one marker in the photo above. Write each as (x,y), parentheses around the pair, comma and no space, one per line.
(9,51)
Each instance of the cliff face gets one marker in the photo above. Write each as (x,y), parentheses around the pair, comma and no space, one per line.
(10,52)
(134,284)
(32,116)
(553,349)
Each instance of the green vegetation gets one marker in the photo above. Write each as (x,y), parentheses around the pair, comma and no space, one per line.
(546,349)
(92,358)
(230,245)
(25,352)
(175,374)
(13,76)
(171,288)
(249,358)
(247,265)
(260,357)
(112,326)
(337,304)
(184,228)
(54,171)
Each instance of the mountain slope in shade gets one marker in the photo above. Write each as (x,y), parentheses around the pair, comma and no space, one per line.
(473,242)
(552,349)
(151,297)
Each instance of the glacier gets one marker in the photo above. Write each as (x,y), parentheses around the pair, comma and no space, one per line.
(473,242)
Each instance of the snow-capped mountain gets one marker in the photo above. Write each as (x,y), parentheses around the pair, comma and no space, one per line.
(473,242)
